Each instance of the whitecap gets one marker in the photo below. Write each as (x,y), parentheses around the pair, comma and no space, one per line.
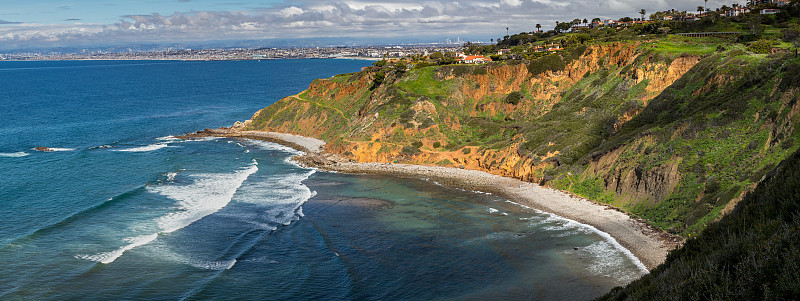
(208,193)
(14,155)
(607,261)
(109,257)
(497,212)
(284,195)
(561,223)
(59,149)
(266,145)
(168,138)
(146,148)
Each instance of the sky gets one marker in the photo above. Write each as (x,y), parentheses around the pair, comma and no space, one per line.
(60,23)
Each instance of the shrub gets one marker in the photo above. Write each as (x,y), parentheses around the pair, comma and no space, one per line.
(550,62)
(466,150)
(513,97)
(480,71)
(416,144)
(437,144)
(410,150)
(760,46)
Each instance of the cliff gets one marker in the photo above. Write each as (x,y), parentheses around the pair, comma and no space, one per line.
(753,253)
(672,137)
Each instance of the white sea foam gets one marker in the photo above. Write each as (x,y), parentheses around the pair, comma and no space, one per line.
(217,265)
(14,155)
(495,211)
(207,194)
(284,195)
(266,145)
(606,260)
(168,138)
(109,257)
(565,224)
(146,148)
(59,149)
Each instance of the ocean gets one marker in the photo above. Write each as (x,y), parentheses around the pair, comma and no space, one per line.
(123,210)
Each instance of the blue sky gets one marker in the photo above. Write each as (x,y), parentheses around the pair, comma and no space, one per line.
(55,23)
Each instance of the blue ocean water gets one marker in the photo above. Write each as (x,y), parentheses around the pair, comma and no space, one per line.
(124,211)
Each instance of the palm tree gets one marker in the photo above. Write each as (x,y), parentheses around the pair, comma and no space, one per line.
(700,9)
(538,27)
(506,30)
(585,21)
(642,12)
(706,1)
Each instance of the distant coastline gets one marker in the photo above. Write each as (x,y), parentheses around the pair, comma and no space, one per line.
(373,53)
(647,246)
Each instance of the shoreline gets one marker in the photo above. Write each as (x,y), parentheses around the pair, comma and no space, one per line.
(646,244)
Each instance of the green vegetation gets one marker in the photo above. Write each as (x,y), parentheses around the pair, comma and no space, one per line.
(616,122)
(753,253)
(677,157)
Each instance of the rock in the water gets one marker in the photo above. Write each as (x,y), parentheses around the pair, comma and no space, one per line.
(43,149)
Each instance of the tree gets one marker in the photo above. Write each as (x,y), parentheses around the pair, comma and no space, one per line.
(642,12)
(563,26)
(792,35)
(585,21)
(437,56)
(596,20)
(538,27)
(755,26)
(700,9)
(706,5)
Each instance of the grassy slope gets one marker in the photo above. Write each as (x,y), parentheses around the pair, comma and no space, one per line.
(728,122)
(730,103)
(751,254)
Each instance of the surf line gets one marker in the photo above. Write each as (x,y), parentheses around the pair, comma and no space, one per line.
(194,206)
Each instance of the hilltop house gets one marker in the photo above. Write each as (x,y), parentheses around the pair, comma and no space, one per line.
(474,59)
(547,47)
(733,12)
(770,11)
(578,27)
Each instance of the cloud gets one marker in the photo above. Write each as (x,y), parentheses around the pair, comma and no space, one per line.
(3,22)
(69,20)
(351,18)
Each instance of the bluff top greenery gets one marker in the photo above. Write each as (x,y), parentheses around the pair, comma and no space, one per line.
(668,128)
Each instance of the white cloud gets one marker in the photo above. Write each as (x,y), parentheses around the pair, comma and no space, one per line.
(353,18)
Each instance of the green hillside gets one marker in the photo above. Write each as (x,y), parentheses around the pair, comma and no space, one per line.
(753,253)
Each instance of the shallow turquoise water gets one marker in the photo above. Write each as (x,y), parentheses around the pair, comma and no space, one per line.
(123,211)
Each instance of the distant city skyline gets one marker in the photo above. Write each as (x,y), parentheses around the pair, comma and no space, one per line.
(57,23)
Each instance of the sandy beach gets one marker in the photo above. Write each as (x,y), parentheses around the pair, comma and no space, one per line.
(647,244)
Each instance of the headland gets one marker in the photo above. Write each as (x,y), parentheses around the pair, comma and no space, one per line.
(649,245)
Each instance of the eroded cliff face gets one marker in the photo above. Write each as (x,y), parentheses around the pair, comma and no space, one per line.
(617,120)
(363,131)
